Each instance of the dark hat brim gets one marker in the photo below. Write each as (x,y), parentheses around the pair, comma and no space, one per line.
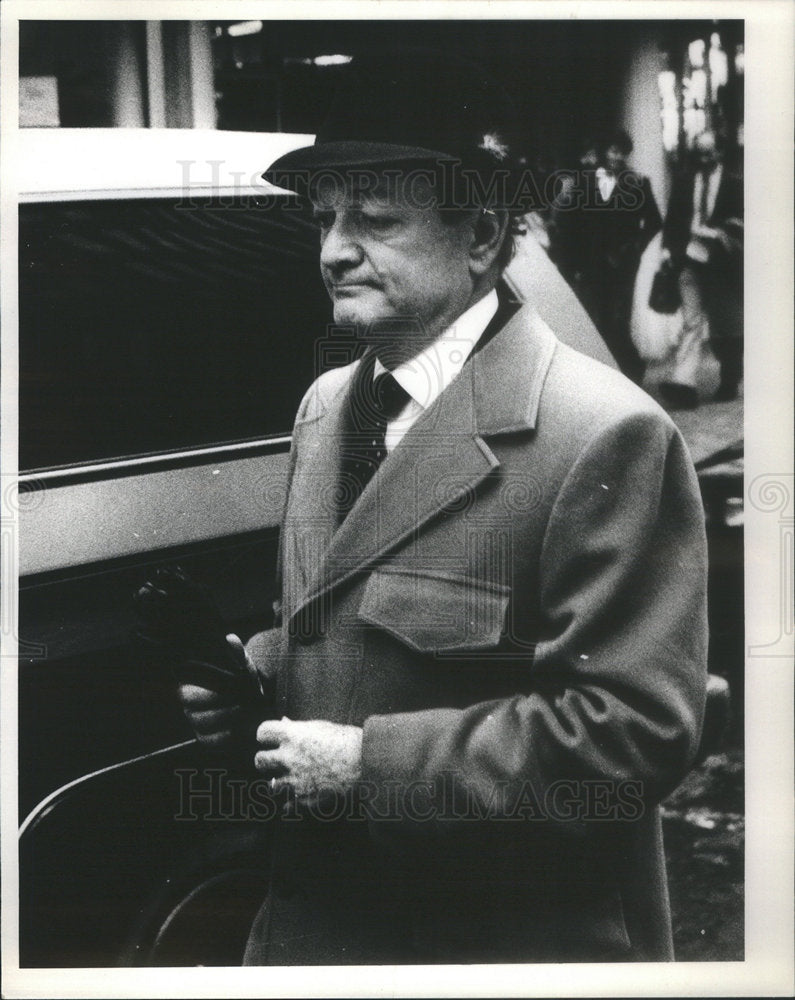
(301,165)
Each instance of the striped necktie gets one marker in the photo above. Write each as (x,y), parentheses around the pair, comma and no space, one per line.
(373,403)
(704,204)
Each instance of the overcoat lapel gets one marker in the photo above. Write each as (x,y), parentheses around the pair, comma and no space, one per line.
(441,459)
(311,513)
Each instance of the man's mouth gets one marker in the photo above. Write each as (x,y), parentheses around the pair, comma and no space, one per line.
(350,286)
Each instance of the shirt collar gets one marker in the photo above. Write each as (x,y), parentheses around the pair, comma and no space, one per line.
(427,375)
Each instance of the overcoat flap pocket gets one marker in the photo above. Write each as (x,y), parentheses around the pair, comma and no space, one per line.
(435,612)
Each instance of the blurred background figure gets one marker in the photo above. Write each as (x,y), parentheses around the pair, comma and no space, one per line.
(604,220)
(565,217)
(703,237)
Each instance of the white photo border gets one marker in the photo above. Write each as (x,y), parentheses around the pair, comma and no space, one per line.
(768,965)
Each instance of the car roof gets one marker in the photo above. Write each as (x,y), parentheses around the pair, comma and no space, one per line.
(68,164)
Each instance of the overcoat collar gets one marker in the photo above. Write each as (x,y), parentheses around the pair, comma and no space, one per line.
(442,458)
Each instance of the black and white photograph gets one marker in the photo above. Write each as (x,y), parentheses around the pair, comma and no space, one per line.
(397,499)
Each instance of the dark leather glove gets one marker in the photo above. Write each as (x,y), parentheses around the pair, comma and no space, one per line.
(181,625)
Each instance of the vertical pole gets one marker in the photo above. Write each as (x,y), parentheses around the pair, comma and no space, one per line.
(202,80)
(126,76)
(155,75)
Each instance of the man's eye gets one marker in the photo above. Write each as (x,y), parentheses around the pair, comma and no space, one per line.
(323,220)
(378,222)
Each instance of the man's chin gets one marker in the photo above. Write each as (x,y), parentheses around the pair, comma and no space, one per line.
(357,313)
(374,315)
(344,314)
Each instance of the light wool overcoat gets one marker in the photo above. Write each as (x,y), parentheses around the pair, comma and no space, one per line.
(515,613)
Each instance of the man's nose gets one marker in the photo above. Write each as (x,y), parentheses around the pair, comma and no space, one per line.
(339,247)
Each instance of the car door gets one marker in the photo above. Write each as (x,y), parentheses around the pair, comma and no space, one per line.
(167,331)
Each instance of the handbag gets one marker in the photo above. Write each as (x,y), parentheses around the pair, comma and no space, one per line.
(664,296)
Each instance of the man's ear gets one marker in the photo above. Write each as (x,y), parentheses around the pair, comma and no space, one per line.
(490,230)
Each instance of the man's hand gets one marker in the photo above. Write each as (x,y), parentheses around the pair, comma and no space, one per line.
(217,717)
(310,759)
(729,243)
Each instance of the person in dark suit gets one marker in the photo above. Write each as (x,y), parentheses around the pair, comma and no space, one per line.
(565,218)
(490,661)
(703,237)
(612,218)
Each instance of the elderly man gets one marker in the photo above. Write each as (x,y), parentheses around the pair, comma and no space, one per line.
(603,226)
(490,663)
(703,236)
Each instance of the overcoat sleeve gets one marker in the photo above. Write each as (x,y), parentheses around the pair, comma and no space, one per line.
(618,678)
(264,649)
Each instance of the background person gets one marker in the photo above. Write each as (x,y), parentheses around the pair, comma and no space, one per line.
(703,236)
(614,217)
(566,222)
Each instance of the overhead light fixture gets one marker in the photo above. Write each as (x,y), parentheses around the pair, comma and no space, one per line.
(332,60)
(244,28)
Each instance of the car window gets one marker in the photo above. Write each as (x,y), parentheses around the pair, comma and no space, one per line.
(152,324)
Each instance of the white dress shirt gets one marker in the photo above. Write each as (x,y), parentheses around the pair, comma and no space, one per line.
(427,375)
(606,181)
(697,249)
(713,183)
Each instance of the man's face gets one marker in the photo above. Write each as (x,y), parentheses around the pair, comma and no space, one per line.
(614,159)
(706,152)
(386,254)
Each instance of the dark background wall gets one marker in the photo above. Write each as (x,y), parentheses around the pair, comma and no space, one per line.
(567,77)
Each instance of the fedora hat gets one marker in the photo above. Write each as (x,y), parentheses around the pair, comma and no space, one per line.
(408,106)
